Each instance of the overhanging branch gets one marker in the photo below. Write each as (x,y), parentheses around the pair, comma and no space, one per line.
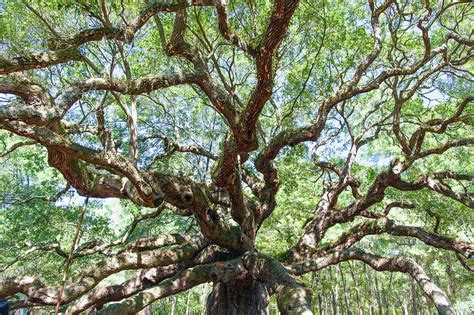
(397,264)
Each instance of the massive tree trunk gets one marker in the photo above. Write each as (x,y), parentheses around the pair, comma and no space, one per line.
(239,297)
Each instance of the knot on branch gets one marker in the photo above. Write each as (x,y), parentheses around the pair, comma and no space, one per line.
(294,300)
(212,215)
(226,272)
(187,196)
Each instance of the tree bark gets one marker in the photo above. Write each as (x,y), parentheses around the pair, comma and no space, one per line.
(239,297)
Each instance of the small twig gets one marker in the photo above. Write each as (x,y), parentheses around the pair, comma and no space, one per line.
(16,146)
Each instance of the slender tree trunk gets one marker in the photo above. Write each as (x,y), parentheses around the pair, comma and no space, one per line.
(378,295)
(405,303)
(356,285)
(388,297)
(327,305)
(324,295)
(368,286)
(315,281)
(414,298)
(239,297)
(452,285)
(385,302)
(320,304)
(187,303)
(340,300)
(202,298)
(344,286)
(173,305)
(333,294)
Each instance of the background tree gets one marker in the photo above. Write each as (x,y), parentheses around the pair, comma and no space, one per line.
(252,144)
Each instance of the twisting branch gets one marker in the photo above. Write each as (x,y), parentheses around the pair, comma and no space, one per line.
(383,225)
(173,145)
(228,34)
(146,279)
(188,278)
(434,182)
(397,264)
(88,279)
(242,139)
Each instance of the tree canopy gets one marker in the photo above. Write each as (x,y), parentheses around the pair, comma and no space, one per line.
(283,150)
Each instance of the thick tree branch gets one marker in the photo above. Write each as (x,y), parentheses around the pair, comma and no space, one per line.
(279,22)
(88,279)
(226,32)
(188,278)
(397,264)
(292,296)
(384,225)
(39,61)
(434,182)
(144,280)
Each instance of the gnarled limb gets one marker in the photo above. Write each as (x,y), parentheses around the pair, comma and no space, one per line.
(434,183)
(243,139)
(39,60)
(383,225)
(397,264)
(292,296)
(88,279)
(227,33)
(146,279)
(188,278)
(100,296)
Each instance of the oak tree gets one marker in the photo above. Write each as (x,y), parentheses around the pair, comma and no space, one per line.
(205,109)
